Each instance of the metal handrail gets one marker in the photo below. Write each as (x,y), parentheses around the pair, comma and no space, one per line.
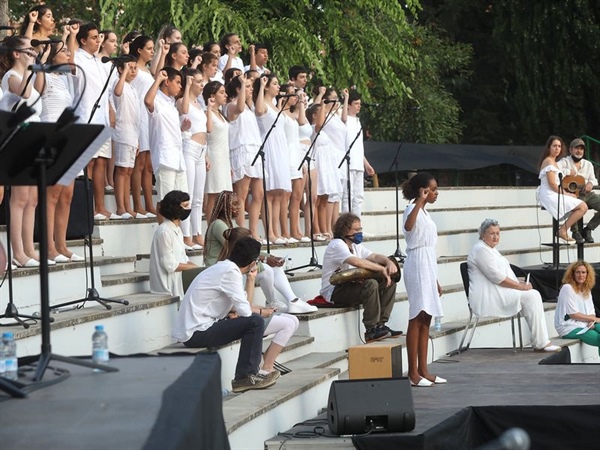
(587,140)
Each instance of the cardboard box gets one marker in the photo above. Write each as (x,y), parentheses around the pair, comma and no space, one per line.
(382,359)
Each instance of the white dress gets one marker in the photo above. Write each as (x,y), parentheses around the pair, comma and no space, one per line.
(420,267)
(142,83)
(324,154)
(244,142)
(218,178)
(549,199)
(277,157)
(292,134)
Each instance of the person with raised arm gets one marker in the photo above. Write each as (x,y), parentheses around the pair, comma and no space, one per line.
(195,154)
(244,142)
(259,55)
(167,35)
(39,23)
(165,132)
(231,46)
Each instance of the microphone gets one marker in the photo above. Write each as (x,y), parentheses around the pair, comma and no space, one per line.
(61,68)
(36,42)
(331,101)
(287,96)
(122,58)
(511,439)
(4,27)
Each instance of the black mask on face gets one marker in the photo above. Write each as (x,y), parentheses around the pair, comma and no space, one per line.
(184,213)
(576,158)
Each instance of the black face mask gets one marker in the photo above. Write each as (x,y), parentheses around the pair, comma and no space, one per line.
(576,158)
(184,213)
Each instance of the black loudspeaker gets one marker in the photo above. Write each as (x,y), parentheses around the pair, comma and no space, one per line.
(363,406)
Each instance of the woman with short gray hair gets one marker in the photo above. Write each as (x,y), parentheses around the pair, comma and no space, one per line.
(495,291)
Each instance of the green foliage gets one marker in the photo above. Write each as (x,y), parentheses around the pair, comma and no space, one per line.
(88,10)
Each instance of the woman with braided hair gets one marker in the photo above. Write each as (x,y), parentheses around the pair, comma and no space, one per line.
(225,208)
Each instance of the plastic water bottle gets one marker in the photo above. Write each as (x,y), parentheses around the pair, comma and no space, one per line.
(11,363)
(437,325)
(100,347)
(288,263)
(2,358)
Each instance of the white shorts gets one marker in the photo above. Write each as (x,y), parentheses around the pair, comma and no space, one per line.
(125,155)
(168,180)
(105,151)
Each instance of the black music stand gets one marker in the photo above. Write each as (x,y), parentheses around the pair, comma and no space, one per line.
(39,154)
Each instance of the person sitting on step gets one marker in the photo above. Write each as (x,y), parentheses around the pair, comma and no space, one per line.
(346,251)
(495,291)
(583,168)
(202,319)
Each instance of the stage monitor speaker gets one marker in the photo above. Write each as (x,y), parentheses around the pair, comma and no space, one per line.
(363,406)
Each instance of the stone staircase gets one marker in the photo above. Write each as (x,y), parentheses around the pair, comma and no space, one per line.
(317,354)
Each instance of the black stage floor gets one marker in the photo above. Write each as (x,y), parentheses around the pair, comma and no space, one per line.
(117,410)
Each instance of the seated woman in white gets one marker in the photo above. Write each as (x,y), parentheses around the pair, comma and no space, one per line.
(575,317)
(495,291)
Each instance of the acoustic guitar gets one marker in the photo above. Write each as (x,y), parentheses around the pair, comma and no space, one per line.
(573,184)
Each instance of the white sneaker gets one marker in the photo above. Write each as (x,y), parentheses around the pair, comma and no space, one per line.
(279,305)
(301,307)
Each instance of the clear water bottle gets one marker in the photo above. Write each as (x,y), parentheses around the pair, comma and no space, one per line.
(11,363)
(437,325)
(288,263)
(2,358)
(99,347)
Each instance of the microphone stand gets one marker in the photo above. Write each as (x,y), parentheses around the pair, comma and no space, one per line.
(261,153)
(92,294)
(347,159)
(313,262)
(398,253)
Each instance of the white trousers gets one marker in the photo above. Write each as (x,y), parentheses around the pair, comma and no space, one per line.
(284,326)
(532,309)
(194,155)
(357,189)
(274,278)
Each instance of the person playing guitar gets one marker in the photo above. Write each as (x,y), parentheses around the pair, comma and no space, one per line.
(581,183)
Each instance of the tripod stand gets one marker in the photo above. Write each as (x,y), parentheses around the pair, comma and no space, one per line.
(398,253)
(92,294)
(313,262)
(53,153)
(261,153)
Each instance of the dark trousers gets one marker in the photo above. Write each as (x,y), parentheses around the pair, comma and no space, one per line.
(248,329)
(377,299)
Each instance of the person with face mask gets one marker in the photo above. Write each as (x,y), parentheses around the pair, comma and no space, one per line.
(167,254)
(346,251)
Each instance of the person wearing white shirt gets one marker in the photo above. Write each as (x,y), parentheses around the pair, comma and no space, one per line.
(345,251)
(166,148)
(203,317)
(495,291)
(582,167)
(89,83)
(231,46)
(167,253)
(575,317)
(259,55)
(358,162)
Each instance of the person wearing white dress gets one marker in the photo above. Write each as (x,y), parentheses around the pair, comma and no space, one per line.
(277,158)
(244,142)
(575,317)
(560,204)
(495,291)
(218,179)
(420,275)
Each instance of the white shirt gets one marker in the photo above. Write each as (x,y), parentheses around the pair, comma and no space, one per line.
(259,69)
(357,152)
(9,99)
(213,293)
(237,63)
(57,96)
(165,134)
(95,76)
(487,269)
(166,253)
(336,253)
(127,111)
(586,170)
(570,302)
